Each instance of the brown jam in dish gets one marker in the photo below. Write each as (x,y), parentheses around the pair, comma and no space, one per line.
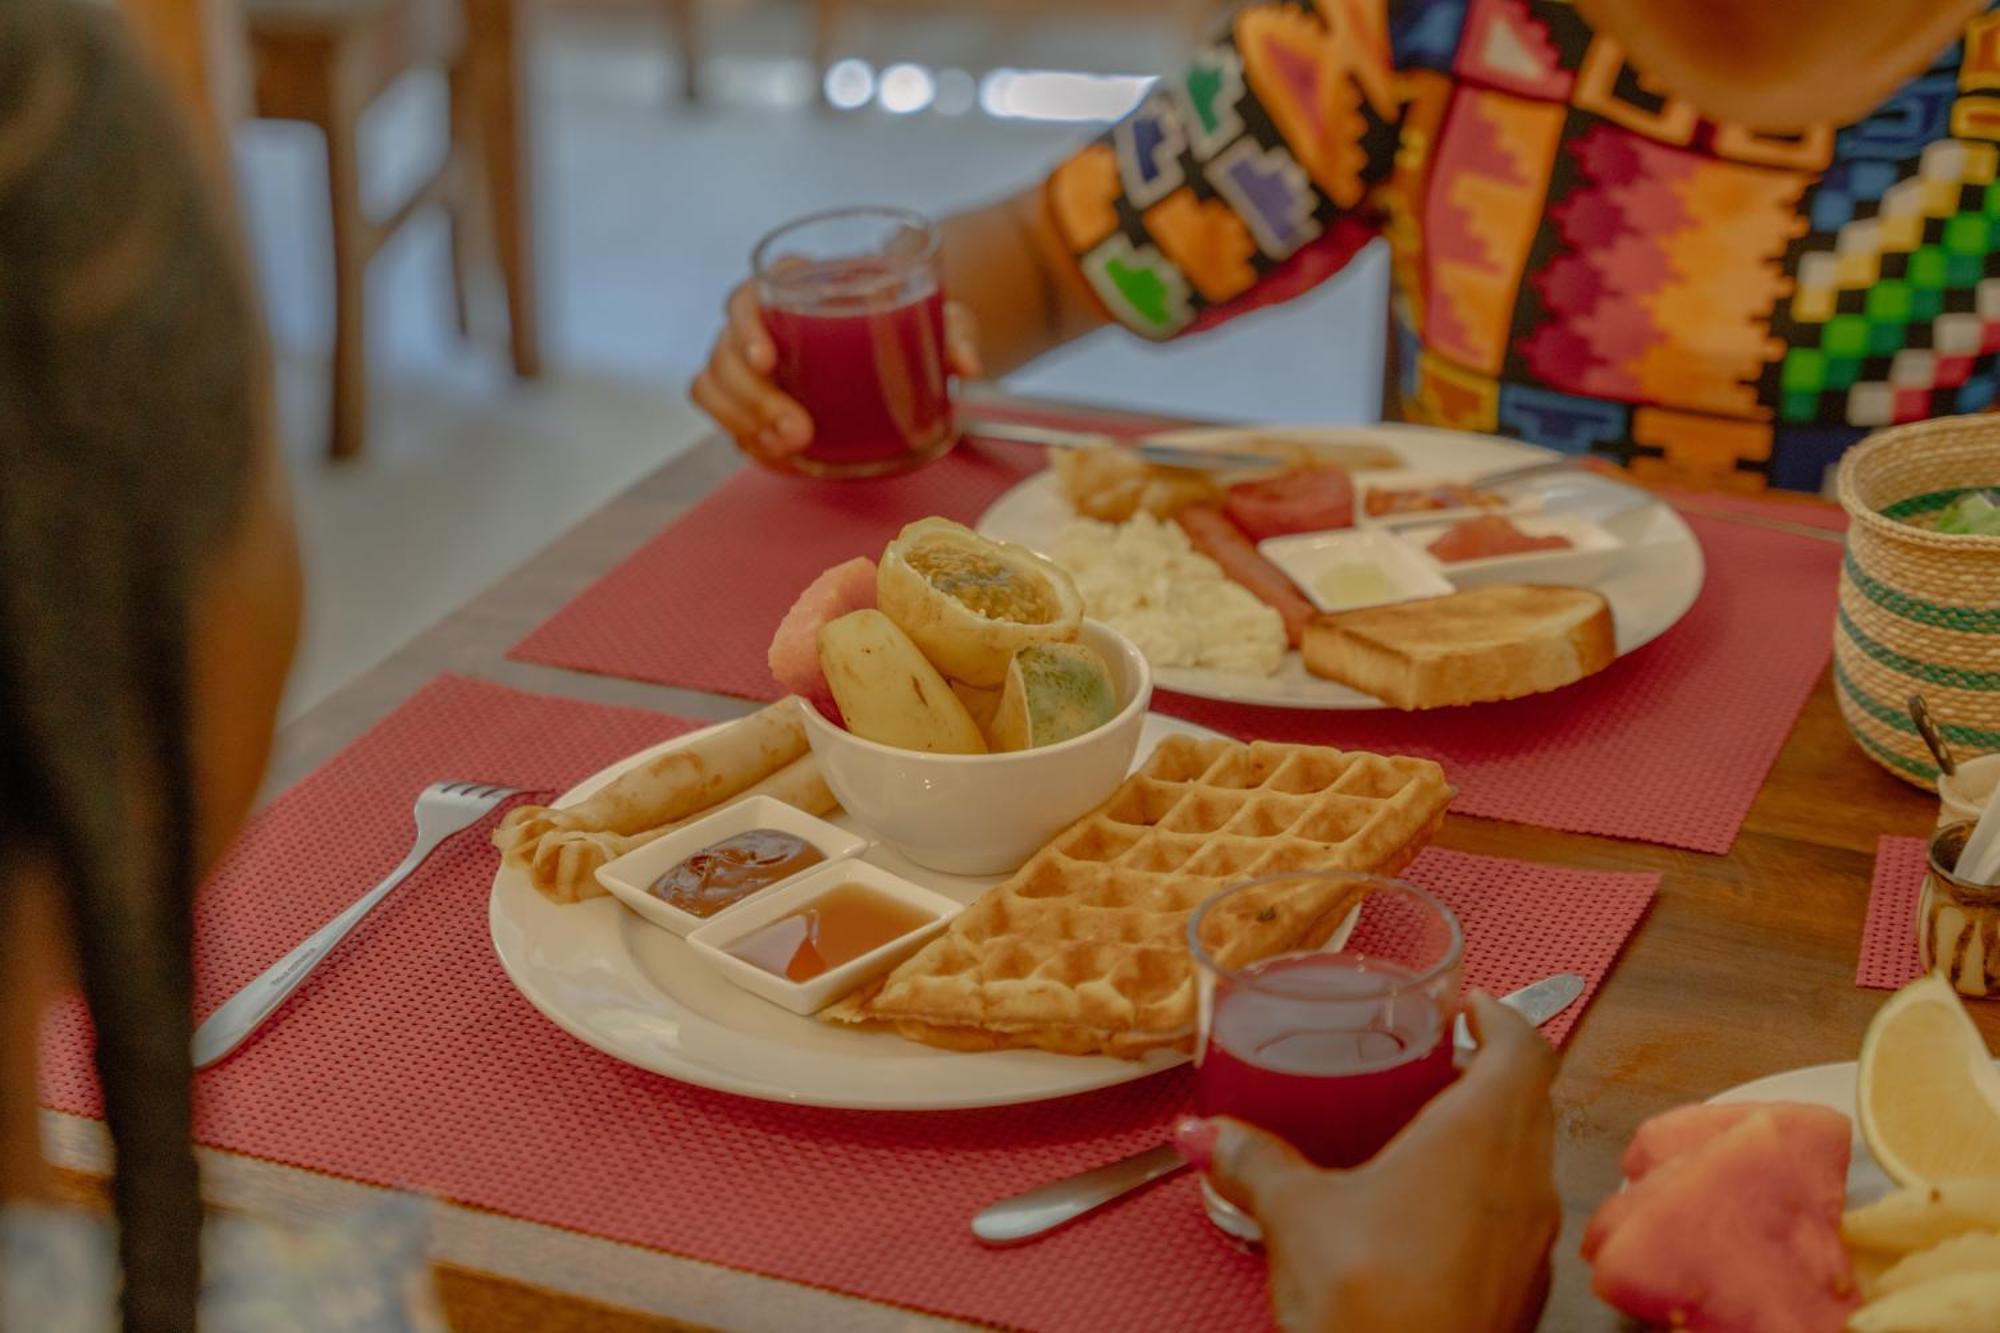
(731,870)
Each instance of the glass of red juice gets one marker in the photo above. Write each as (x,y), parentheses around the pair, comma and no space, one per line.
(1333,1047)
(853,302)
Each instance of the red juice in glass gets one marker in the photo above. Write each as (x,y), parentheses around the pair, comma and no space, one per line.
(1337,1095)
(853,305)
(1337,1042)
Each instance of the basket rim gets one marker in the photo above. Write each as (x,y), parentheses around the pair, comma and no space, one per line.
(1866,516)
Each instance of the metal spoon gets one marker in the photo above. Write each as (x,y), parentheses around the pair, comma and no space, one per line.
(1026,1217)
(1920,714)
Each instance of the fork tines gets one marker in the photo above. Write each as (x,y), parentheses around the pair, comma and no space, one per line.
(475,790)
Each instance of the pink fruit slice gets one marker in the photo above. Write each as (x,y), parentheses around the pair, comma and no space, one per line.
(794,655)
(1739,1230)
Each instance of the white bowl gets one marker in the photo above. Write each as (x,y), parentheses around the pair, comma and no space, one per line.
(984,814)
(1963,796)
(712,941)
(630,877)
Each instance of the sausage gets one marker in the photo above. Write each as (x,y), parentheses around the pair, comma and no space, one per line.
(1212,533)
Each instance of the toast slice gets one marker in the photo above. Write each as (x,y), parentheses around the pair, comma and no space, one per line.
(1498,642)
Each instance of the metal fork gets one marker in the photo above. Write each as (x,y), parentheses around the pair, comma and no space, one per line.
(443,808)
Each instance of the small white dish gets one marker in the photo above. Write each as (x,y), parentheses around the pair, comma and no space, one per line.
(1593,553)
(1315,561)
(1962,797)
(714,939)
(630,877)
(1517,500)
(984,814)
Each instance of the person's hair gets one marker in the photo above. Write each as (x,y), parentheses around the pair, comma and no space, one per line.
(130,398)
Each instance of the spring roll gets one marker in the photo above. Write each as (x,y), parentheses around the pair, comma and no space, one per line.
(694,777)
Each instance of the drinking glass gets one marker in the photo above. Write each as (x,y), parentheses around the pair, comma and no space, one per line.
(1333,1047)
(853,302)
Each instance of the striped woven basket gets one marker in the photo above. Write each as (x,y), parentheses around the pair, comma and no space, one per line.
(1919,610)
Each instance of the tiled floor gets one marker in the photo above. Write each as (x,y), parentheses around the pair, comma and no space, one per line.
(647,211)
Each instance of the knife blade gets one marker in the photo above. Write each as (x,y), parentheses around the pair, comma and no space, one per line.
(1152,451)
(1537,1003)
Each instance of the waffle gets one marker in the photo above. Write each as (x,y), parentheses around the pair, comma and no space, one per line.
(1084,949)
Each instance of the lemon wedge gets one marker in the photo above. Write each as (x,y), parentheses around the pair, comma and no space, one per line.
(1929,1093)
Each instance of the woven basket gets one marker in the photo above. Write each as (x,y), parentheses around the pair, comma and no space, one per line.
(1919,610)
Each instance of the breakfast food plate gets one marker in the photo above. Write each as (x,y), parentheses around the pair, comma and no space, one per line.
(1862,1196)
(643,995)
(1649,581)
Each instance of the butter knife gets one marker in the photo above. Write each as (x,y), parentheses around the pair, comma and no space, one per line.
(1152,451)
(1029,1216)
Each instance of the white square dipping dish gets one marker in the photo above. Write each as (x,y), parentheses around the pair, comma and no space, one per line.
(1307,558)
(1593,553)
(712,941)
(631,876)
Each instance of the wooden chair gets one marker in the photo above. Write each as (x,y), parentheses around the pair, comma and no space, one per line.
(684,17)
(326,61)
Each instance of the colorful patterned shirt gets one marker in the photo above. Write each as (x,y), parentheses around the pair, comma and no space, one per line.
(1580,259)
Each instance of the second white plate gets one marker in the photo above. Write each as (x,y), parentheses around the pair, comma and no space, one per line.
(1831,1086)
(1649,591)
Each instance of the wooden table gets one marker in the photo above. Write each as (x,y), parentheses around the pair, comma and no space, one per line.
(1744,966)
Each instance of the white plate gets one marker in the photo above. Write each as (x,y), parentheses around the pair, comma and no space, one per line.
(1831,1086)
(1648,593)
(643,995)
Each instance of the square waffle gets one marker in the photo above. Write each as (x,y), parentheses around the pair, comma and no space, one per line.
(1084,949)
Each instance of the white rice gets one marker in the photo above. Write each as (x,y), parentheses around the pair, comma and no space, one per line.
(1144,579)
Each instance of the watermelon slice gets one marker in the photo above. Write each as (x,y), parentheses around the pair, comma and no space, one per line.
(1680,1130)
(794,655)
(1737,1230)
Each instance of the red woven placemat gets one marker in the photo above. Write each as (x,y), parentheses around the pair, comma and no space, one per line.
(1670,745)
(695,607)
(1889,936)
(410,1061)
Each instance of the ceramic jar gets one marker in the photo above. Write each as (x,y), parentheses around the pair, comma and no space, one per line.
(1958,924)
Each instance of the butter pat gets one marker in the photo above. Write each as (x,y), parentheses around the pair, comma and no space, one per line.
(1357,568)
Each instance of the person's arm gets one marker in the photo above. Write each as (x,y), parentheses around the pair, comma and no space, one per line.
(1022,295)
(1447,1229)
(1013,293)
(1224,190)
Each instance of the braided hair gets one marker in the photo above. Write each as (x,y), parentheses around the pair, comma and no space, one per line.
(130,397)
